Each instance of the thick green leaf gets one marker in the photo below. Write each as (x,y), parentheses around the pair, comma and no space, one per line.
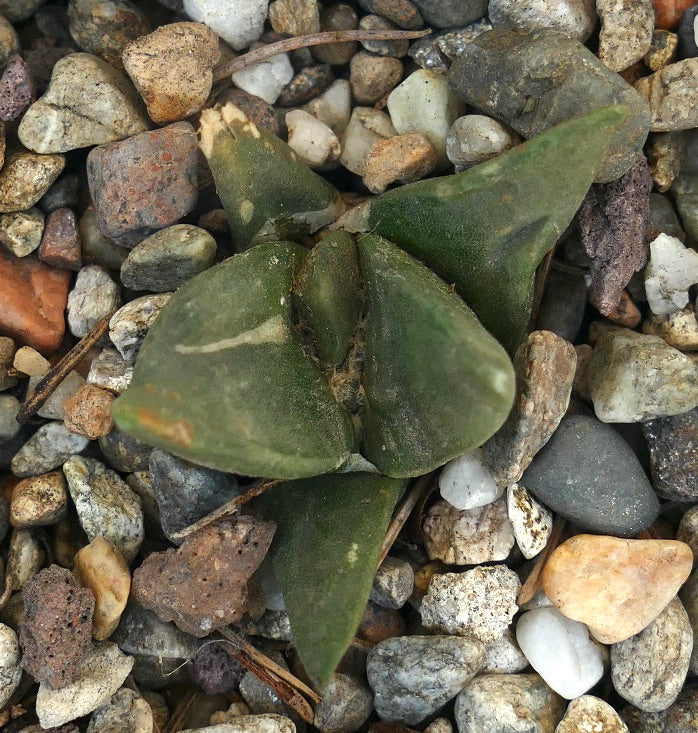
(488,228)
(437,384)
(222,378)
(325,553)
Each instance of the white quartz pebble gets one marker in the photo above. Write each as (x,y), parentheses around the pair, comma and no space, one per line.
(265,79)
(473,139)
(333,106)
(312,140)
(466,482)
(237,22)
(366,126)
(672,269)
(531,521)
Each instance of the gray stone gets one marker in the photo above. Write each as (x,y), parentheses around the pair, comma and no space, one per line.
(532,81)
(167,259)
(382,48)
(508,703)
(93,296)
(689,599)
(575,18)
(588,474)
(644,671)
(106,506)
(345,705)
(9,427)
(16,10)
(451,13)
(126,712)
(684,189)
(663,216)
(413,676)
(262,698)
(124,452)
(10,669)
(271,625)
(626,31)
(670,93)
(129,325)
(393,583)
(185,492)
(433,51)
(503,656)
(52,409)
(110,371)
(473,139)
(139,481)
(65,192)
(50,446)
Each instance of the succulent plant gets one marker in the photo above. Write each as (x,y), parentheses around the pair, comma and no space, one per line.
(292,362)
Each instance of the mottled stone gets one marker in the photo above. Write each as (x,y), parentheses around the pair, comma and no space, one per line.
(260,112)
(678,329)
(88,102)
(575,18)
(215,671)
(665,153)
(10,669)
(172,68)
(106,506)
(366,127)
(378,623)
(641,669)
(670,93)
(7,355)
(48,448)
(382,48)
(25,177)
(20,231)
(531,522)
(295,17)
(473,139)
(55,630)
(60,243)
(503,656)
(203,584)
(401,12)
(468,536)
(9,41)
(435,50)
(16,89)
(534,80)
(393,583)
(372,77)
(413,676)
(94,296)
(129,325)
(243,723)
(110,371)
(306,84)
(88,412)
(25,559)
(402,159)
(345,706)
(626,31)
(479,603)
(616,587)
(589,713)
(39,500)
(126,712)
(663,49)
(146,182)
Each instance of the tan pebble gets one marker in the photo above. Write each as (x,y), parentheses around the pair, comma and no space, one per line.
(665,152)
(26,177)
(662,49)
(372,77)
(29,361)
(39,500)
(679,329)
(589,713)
(403,158)
(236,710)
(100,567)
(670,93)
(615,586)
(626,313)
(88,412)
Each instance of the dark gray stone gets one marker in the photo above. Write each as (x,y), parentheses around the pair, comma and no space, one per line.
(393,583)
(185,492)
(588,474)
(663,216)
(435,50)
(534,80)
(63,193)
(124,452)
(451,13)
(563,304)
(345,706)
(687,36)
(214,670)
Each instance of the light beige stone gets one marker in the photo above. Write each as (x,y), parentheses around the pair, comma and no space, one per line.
(671,94)
(678,329)
(39,500)
(29,361)
(615,586)
(626,31)
(590,714)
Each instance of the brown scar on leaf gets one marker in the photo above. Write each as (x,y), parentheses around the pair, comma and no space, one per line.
(178,431)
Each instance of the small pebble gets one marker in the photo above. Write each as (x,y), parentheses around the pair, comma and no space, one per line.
(306,84)
(665,152)
(60,243)
(503,656)
(678,329)
(401,12)
(260,697)
(64,193)
(53,406)
(263,723)
(25,178)
(365,127)
(467,483)
(560,650)
(238,22)
(7,356)
(671,270)
(393,583)
(337,17)
(21,231)
(96,248)
(100,567)
(663,50)
(9,427)
(473,139)
(644,671)
(479,603)
(382,48)
(575,18)
(99,676)
(25,559)
(129,325)
(16,89)
(260,112)
(127,711)
(688,532)
(93,296)
(39,500)
(88,412)
(215,671)
(372,77)
(10,669)
(312,140)
(267,78)
(123,452)
(687,33)
(9,41)
(345,706)
(670,94)
(50,446)
(295,17)
(531,522)
(616,587)
(402,159)
(105,504)
(429,52)
(589,713)
(626,31)
(378,623)
(109,371)
(413,676)
(468,536)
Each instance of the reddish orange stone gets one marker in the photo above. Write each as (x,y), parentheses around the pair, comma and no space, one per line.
(33,297)
(668,12)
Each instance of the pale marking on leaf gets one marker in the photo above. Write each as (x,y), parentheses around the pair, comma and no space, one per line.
(271,331)
(353,554)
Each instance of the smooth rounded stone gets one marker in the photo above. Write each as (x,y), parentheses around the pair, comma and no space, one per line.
(110,371)
(670,93)
(372,77)
(671,270)
(25,177)
(295,17)
(237,22)
(614,497)
(337,17)
(60,242)
(678,329)
(401,12)
(673,446)
(10,669)
(504,656)
(689,599)
(479,603)
(425,103)
(687,34)
(589,713)
(172,69)
(560,650)
(96,248)
(366,126)
(123,452)
(345,705)
(575,18)
(65,192)
(502,72)
(382,48)
(413,676)
(88,102)
(262,723)
(473,139)
(468,536)
(126,712)
(531,522)
(21,231)
(129,325)
(9,427)
(393,583)
(626,31)
(100,567)
(265,79)
(312,140)
(100,675)
(93,296)
(214,670)
(105,27)
(88,412)
(644,671)
(106,505)
(451,13)
(186,492)
(616,587)
(503,703)
(39,500)
(50,446)
(26,557)
(52,409)
(333,106)
(467,483)
(687,532)
(634,377)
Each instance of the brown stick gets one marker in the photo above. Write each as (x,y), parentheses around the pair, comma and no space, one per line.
(311,39)
(181,712)
(530,587)
(59,371)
